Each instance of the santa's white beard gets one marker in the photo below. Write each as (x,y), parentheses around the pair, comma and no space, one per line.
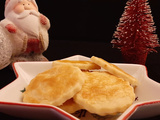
(28,21)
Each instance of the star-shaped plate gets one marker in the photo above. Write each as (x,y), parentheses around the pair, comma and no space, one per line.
(147,103)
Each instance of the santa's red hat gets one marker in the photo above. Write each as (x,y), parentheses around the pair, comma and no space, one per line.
(10,4)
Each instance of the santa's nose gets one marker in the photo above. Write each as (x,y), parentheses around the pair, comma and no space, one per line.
(27,6)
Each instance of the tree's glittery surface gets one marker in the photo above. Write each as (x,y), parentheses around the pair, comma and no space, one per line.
(136,30)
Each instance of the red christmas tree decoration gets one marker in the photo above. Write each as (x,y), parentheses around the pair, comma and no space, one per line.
(135,35)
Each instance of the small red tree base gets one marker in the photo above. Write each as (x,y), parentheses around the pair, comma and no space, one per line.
(134,57)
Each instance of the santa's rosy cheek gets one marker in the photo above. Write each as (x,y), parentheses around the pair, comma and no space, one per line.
(18,8)
(34,8)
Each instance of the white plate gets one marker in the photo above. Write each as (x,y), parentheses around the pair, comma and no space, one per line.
(147,103)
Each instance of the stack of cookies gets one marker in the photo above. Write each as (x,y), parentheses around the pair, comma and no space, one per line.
(75,85)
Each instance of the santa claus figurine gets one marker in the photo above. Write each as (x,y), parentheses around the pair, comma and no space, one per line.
(23,33)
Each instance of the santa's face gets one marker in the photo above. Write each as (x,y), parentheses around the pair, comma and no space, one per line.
(25,16)
(24,5)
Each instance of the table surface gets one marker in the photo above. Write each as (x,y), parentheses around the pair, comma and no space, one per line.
(59,49)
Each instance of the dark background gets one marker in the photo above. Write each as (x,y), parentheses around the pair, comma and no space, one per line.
(88,20)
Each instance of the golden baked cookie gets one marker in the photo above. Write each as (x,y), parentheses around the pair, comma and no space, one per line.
(105,94)
(70,106)
(55,85)
(84,65)
(113,69)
